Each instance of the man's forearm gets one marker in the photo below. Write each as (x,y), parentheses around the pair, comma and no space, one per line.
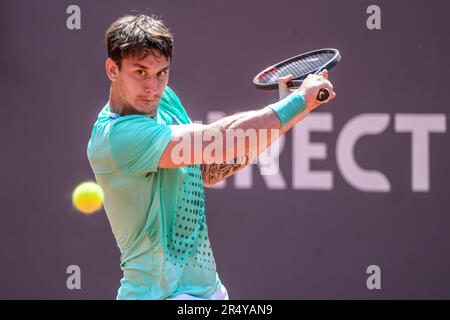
(275,119)
(266,125)
(264,118)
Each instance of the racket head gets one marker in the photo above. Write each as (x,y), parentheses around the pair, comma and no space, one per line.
(299,66)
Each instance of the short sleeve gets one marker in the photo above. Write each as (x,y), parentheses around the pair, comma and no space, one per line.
(176,105)
(137,144)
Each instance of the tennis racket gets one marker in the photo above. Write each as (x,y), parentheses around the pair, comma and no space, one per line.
(300,67)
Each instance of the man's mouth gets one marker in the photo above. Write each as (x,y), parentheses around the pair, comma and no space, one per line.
(148,100)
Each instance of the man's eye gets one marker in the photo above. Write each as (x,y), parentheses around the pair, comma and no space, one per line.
(141,73)
(162,74)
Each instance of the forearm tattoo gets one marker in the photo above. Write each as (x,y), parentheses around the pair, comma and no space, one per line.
(215,172)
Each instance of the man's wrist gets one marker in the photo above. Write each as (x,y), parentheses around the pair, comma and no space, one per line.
(289,107)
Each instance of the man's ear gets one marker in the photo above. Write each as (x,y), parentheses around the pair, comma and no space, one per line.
(111,69)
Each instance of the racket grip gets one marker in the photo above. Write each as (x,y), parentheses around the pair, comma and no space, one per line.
(294,83)
(323,95)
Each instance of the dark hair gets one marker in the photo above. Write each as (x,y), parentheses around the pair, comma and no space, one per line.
(132,35)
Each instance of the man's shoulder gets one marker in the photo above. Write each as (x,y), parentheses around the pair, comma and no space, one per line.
(132,126)
(172,103)
(111,128)
(168,90)
(170,97)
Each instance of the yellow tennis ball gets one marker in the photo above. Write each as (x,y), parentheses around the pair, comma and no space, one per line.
(88,197)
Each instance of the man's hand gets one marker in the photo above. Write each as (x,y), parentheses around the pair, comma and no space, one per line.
(309,88)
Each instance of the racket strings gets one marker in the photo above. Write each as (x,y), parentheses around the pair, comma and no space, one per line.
(298,68)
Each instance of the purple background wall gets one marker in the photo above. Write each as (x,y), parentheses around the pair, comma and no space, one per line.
(288,243)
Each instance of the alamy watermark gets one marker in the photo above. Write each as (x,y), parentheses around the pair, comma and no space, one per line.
(374,280)
(73,282)
(73,21)
(229,146)
(374,20)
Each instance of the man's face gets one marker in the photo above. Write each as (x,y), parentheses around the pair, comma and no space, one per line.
(140,83)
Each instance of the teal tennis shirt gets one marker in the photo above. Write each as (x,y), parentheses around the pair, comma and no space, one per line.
(157,215)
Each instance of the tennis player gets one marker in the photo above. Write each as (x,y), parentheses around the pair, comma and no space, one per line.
(154,203)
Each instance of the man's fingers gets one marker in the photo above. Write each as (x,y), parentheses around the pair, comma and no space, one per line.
(323,73)
(327,84)
(283,81)
(283,89)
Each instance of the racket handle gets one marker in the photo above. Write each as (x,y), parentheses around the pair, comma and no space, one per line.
(294,83)
(323,95)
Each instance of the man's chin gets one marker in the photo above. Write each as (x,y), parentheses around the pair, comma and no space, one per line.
(148,106)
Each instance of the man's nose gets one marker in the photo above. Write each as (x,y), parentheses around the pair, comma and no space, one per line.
(151,86)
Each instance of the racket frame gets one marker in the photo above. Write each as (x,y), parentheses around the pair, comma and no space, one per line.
(297,81)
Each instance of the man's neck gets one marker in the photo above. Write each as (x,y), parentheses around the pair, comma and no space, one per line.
(115,105)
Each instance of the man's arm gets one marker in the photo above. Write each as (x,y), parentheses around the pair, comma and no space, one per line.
(216,172)
(268,118)
(189,141)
